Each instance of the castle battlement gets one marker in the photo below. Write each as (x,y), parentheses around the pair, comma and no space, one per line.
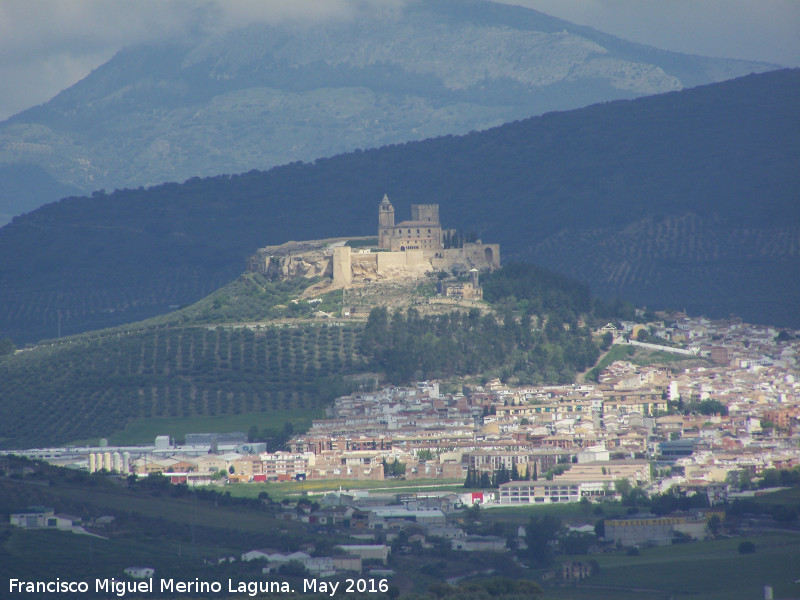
(406,249)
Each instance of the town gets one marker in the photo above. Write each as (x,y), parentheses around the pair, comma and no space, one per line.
(719,417)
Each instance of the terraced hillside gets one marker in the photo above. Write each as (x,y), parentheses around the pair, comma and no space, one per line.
(95,386)
(662,254)
(259,348)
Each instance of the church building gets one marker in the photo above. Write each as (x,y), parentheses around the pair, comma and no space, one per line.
(422,232)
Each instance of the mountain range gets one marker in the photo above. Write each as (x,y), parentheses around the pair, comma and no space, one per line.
(268,95)
(680,200)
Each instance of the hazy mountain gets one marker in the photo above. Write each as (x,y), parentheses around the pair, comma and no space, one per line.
(265,96)
(682,200)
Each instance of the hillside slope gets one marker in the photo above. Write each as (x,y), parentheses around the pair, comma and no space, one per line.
(686,199)
(256,347)
(269,95)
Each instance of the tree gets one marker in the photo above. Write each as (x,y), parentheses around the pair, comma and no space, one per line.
(577,543)
(395,469)
(600,529)
(440,589)
(585,505)
(294,568)
(747,548)
(539,532)
(501,476)
(469,482)
(425,454)
(623,487)
(714,525)
(709,407)
(473,513)
(7,346)
(606,340)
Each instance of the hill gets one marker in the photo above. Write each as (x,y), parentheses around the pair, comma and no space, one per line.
(151,521)
(266,95)
(255,348)
(686,199)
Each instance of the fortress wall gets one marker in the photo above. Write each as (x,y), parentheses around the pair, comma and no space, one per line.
(342,265)
(409,258)
(415,257)
(390,259)
(471,255)
(365,260)
(489,254)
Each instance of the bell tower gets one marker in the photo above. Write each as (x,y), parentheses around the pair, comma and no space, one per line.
(385,222)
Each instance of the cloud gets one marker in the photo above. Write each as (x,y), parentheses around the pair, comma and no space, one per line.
(48,45)
(763,30)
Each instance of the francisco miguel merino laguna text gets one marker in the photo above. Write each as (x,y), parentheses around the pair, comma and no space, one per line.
(120,588)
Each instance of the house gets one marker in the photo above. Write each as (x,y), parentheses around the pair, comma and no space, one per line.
(256,555)
(64,521)
(33,517)
(387,516)
(103,521)
(319,565)
(477,543)
(447,532)
(347,563)
(368,552)
(337,515)
(40,517)
(654,530)
(277,558)
(573,570)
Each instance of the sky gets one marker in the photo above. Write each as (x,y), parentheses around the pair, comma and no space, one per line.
(48,45)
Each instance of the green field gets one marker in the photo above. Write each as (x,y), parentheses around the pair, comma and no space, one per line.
(710,570)
(636,355)
(789,497)
(163,528)
(172,529)
(97,388)
(317,488)
(144,431)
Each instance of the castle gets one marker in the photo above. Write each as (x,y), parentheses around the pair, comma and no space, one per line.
(422,232)
(405,249)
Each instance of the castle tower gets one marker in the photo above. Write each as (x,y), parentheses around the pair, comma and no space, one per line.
(385,222)
(425,213)
(473,277)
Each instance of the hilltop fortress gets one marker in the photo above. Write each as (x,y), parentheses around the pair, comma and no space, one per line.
(408,249)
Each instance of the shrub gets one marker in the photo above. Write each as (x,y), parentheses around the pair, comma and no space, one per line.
(747,548)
